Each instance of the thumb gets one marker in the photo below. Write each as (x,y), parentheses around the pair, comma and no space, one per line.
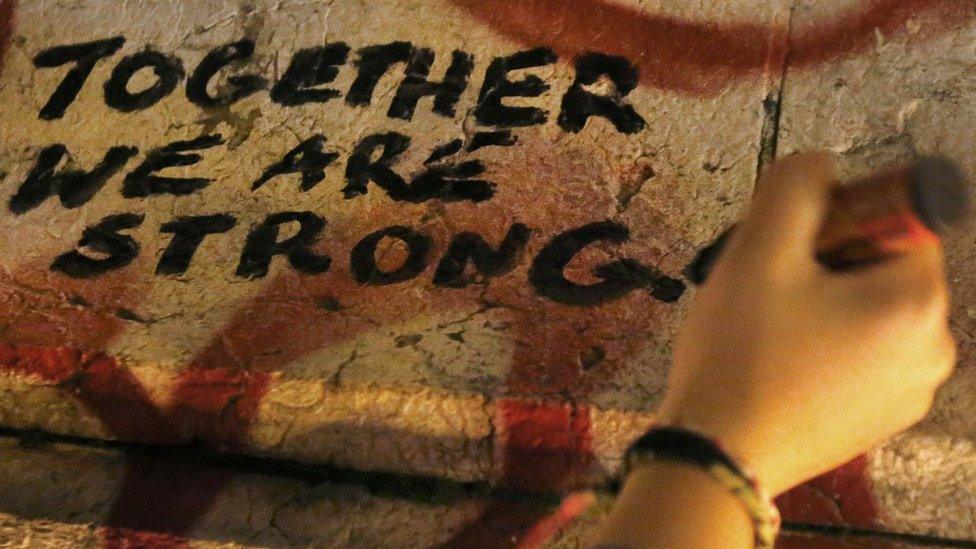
(789,203)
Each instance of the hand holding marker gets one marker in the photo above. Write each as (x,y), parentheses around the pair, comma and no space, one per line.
(787,368)
(878,216)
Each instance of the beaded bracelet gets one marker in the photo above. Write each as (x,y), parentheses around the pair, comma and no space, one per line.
(683,446)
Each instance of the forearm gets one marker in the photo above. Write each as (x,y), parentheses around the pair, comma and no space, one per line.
(673,505)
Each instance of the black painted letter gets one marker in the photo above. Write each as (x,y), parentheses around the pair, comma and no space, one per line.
(361,169)
(310,67)
(363,256)
(489,262)
(188,233)
(415,84)
(216,59)
(84,57)
(451,183)
(490,110)
(74,187)
(618,277)
(307,158)
(168,70)
(143,180)
(372,62)
(262,244)
(579,104)
(103,238)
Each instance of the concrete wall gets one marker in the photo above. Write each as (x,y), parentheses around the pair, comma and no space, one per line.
(243,295)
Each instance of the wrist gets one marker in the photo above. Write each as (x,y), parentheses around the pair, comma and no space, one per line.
(672,504)
(672,444)
(747,444)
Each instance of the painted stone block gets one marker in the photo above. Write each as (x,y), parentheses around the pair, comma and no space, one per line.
(432,237)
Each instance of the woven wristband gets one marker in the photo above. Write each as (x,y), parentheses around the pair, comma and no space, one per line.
(683,446)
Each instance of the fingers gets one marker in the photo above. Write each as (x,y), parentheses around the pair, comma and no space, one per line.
(911,284)
(788,206)
(949,353)
(907,293)
(921,394)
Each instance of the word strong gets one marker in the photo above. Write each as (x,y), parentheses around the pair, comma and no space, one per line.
(546,275)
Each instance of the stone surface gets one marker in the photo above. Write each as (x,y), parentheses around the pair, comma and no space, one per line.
(72,504)
(498,337)
(510,378)
(914,95)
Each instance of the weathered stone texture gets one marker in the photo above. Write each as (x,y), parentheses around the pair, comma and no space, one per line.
(903,97)
(509,378)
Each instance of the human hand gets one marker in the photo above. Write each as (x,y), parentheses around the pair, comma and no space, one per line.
(795,369)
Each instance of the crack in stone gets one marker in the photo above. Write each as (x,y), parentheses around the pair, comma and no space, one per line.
(772,104)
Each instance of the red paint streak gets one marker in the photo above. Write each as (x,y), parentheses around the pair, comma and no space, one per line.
(215,406)
(855,30)
(546,445)
(160,497)
(52,365)
(7,10)
(842,496)
(45,318)
(43,309)
(569,510)
(122,538)
(212,405)
(825,541)
(700,58)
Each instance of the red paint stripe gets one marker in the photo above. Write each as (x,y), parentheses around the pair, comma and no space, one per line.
(215,406)
(547,446)
(7,11)
(699,58)
(569,510)
(844,496)
(163,497)
(122,538)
